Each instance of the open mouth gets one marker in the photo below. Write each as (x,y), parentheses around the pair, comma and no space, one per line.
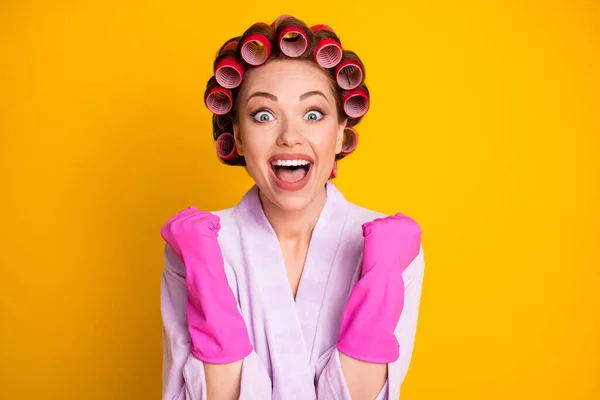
(291,171)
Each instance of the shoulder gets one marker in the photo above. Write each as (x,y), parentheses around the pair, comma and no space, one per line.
(360,215)
(229,220)
(227,216)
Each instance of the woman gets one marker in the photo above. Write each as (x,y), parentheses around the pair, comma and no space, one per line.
(295,293)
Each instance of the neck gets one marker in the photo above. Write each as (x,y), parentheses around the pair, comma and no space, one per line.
(294,226)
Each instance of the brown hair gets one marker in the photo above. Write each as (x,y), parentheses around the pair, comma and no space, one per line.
(223,123)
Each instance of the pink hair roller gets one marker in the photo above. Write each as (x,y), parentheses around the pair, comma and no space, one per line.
(279,20)
(328,53)
(350,141)
(292,41)
(356,103)
(321,27)
(349,74)
(226,147)
(256,49)
(219,100)
(231,45)
(229,72)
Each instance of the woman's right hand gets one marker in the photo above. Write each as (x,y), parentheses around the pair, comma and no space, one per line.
(187,230)
(217,329)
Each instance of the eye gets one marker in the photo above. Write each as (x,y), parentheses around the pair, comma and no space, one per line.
(263,116)
(314,115)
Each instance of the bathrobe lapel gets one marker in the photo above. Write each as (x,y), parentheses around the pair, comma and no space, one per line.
(291,324)
(324,246)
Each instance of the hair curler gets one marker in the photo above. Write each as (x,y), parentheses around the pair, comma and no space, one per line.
(230,45)
(321,27)
(279,20)
(226,147)
(292,41)
(255,45)
(349,74)
(228,71)
(218,99)
(356,103)
(328,52)
(349,141)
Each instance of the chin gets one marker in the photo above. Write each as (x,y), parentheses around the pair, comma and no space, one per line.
(293,200)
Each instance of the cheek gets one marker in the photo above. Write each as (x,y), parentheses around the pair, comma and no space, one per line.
(256,145)
(324,141)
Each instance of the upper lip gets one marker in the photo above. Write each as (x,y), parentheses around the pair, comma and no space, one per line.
(291,156)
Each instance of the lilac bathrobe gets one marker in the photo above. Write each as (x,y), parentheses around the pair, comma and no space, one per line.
(294,355)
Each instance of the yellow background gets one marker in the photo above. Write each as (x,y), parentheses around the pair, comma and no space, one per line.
(484,127)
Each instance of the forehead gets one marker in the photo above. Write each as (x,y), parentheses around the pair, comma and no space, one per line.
(286,76)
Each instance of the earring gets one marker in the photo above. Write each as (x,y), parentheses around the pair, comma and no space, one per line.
(334,170)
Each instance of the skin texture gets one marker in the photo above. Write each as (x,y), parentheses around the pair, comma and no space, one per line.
(292,126)
(288,106)
(223,380)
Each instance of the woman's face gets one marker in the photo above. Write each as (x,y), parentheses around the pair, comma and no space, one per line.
(287,129)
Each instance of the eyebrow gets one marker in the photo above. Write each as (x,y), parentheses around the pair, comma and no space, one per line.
(301,98)
(263,94)
(312,93)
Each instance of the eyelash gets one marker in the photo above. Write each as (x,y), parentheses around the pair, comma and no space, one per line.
(317,110)
(253,114)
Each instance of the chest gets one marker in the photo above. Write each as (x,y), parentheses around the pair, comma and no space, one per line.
(294,260)
(293,297)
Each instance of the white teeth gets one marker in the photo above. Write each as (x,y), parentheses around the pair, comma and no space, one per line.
(289,163)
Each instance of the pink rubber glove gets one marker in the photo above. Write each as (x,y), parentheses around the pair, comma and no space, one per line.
(217,329)
(376,301)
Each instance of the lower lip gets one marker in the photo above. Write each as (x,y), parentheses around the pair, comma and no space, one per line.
(295,186)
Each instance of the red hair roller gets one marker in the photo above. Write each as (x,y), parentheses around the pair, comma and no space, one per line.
(226,147)
(349,74)
(219,100)
(256,49)
(321,27)
(232,45)
(229,72)
(356,103)
(279,20)
(350,141)
(328,53)
(292,41)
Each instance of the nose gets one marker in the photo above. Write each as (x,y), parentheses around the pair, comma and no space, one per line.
(290,134)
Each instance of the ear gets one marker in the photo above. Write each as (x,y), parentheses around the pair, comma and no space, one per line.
(237,139)
(339,140)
